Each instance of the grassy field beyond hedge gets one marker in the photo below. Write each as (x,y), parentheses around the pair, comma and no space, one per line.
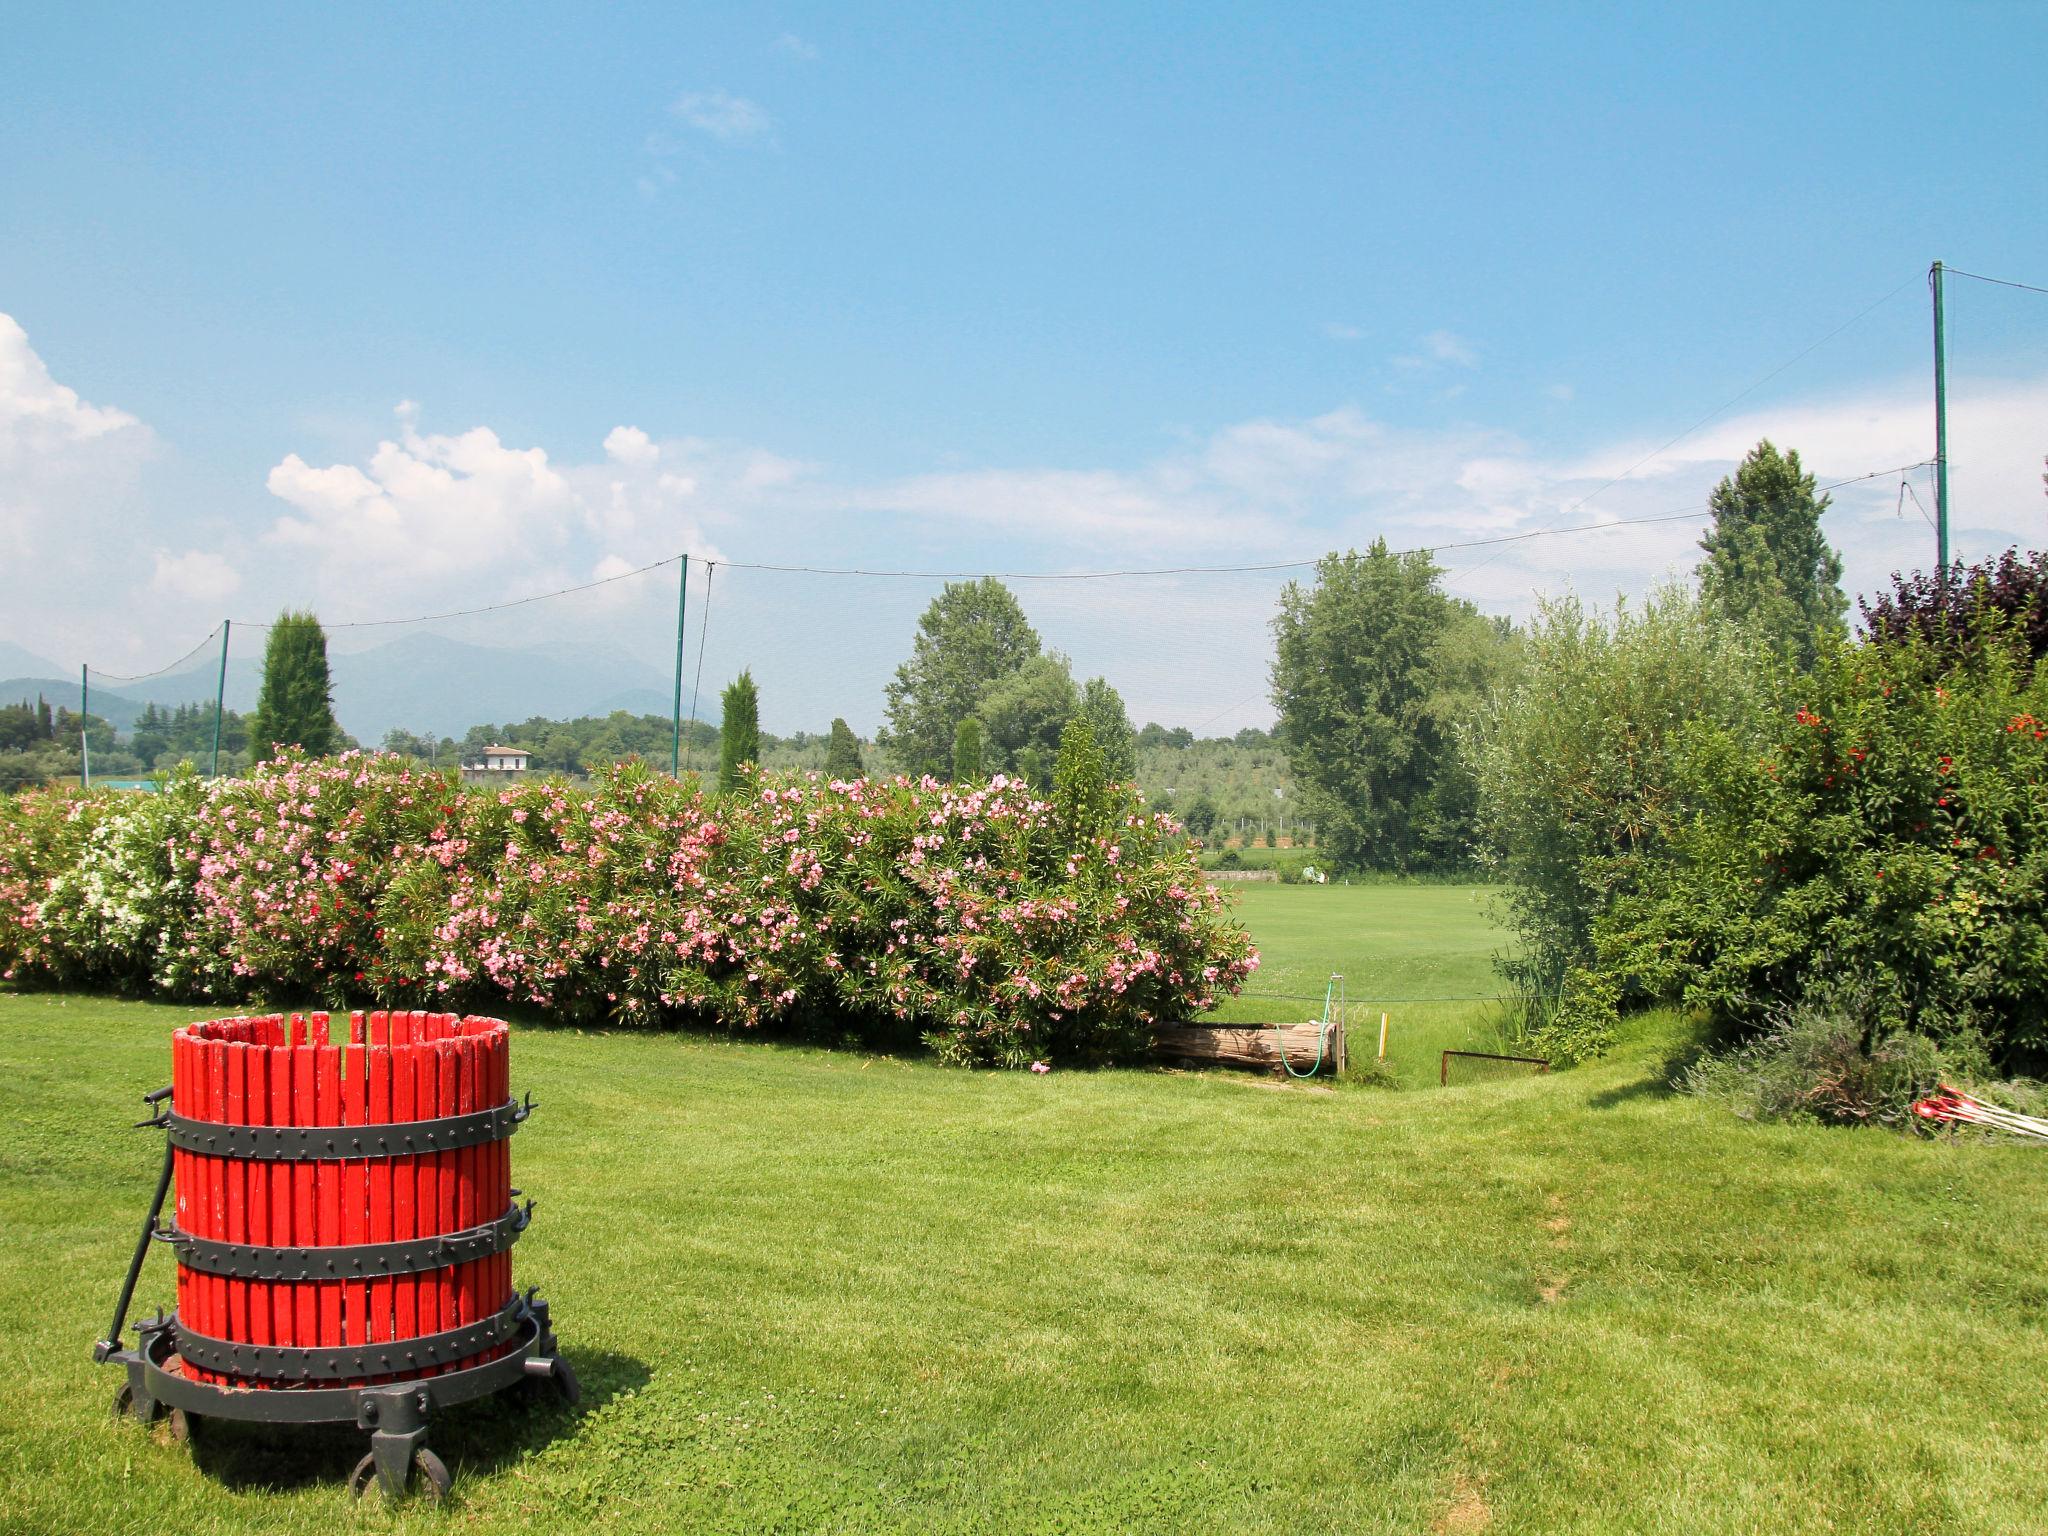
(812,1291)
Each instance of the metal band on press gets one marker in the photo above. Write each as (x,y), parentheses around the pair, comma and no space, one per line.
(353,1261)
(349,1362)
(330,1143)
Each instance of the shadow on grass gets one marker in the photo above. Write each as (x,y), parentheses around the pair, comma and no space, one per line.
(479,1437)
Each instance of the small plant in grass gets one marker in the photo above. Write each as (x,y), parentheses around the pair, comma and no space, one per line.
(1830,1057)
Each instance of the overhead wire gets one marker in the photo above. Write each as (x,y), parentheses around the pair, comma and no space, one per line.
(2002,282)
(143,677)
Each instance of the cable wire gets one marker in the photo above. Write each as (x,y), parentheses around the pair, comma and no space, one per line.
(2000,281)
(139,677)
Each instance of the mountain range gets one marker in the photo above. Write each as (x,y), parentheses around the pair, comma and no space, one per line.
(418,683)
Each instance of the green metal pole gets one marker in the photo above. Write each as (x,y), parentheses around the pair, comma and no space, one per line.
(1940,434)
(84,715)
(220,693)
(675,751)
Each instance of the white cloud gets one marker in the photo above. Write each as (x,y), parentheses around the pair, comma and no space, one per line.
(723,115)
(1439,349)
(1340,330)
(37,414)
(629,445)
(197,575)
(1562,393)
(427,505)
(796,47)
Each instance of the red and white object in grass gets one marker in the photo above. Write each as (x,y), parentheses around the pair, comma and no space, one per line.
(1951,1105)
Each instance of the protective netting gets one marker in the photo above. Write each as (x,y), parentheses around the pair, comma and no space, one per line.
(1461,1069)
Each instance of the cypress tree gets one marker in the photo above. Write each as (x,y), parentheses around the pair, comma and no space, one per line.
(967,752)
(296,705)
(842,753)
(739,730)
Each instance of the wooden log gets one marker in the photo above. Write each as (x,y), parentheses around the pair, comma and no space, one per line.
(1256,1046)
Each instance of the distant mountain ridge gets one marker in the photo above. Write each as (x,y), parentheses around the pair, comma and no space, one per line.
(417,683)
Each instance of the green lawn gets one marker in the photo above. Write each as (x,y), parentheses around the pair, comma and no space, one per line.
(815,1291)
(1422,954)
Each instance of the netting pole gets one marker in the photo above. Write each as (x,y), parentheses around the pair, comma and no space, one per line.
(1940,435)
(220,694)
(675,751)
(84,716)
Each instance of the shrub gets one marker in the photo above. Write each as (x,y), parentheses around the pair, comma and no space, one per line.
(979,918)
(1578,1024)
(1893,827)
(1582,765)
(43,834)
(124,898)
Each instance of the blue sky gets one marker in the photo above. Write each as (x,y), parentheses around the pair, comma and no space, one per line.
(976,287)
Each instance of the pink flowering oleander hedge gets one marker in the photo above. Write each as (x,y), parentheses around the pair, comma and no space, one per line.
(975,917)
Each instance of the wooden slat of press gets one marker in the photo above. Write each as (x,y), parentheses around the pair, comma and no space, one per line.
(426,1202)
(305,1192)
(278,1184)
(500,1051)
(404,1180)
(216,1184)
(449,1072)
(264,1059)
(188,1204)
(379,1295)
(327,1178)
(355,1182)
(238,1185)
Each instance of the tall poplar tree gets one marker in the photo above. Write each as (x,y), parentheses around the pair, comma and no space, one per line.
(739,730)
(1767,564)
(296,704)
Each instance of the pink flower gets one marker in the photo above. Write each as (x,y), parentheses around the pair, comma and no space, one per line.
(1041,1067)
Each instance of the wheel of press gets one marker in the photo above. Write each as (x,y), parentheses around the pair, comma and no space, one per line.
(428,1476)
(124,1402)
(431,1478)
(182,1427)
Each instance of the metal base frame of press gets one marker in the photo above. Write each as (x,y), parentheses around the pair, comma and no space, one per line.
(396,1414)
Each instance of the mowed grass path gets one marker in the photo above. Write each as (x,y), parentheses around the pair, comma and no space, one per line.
(814,1291)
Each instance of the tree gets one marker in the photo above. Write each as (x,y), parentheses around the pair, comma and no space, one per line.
(1080,787)
(1111,724)
(1368,665)
(1200,816)
(972,636)
(739,731)
(1767,563)
(967,752)
(1023,714)
(842,757)
(296,704)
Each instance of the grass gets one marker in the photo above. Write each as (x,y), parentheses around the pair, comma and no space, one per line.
(819,1291)
(1422,953)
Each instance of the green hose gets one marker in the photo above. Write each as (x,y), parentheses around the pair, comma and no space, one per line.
(1322,1036)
